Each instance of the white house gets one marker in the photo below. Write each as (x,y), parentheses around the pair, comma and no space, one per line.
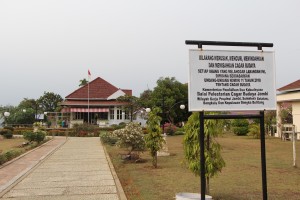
(289,94)
(95,103)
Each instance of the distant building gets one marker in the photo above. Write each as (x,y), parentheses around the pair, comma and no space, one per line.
(95,103)
(289,94)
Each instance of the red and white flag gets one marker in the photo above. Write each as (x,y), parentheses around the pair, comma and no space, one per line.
(89,74)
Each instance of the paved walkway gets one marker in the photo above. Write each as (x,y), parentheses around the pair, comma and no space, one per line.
(79,169)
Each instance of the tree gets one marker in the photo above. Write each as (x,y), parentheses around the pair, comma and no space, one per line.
(83,82)
(213,159)
(49,101)
(154,139)
(132,104)
(4,109)
(168,95)
(24,113)
(270,121)
(145,99)
(27,103)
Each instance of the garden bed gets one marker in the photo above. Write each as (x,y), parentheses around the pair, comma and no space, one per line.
(12,148)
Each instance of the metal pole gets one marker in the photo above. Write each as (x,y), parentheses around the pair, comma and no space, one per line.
(263,155)
(202,158)
(36,107)
(88,102)
(163,114)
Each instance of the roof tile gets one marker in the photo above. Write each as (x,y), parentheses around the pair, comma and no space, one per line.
(98,89)
(290,87)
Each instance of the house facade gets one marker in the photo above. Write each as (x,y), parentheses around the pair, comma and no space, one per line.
(95,103)
(289,94)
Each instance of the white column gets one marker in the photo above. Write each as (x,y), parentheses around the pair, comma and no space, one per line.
(279,122)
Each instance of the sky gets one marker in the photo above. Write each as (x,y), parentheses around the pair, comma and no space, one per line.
(49,45)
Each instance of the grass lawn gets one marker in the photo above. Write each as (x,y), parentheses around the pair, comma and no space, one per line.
(240,178)
(8,144)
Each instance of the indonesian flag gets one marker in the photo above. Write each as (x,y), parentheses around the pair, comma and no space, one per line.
(89,74)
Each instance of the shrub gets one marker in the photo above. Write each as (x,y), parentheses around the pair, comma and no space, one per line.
(106,129)
(19,131)
(179,132)
(40,136)
(240,126)
(56,132)
(131,137)
(108,138)
(29,135)
(83,130)
(3,159)
(169,128)
(254,130)
(7,133)
(9,128)
(120,126)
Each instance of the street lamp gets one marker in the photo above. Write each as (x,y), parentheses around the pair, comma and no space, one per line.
(6,115)
(36,110)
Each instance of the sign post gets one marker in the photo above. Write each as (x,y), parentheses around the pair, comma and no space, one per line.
(231,81)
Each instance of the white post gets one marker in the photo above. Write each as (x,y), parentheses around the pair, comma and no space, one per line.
(294,146)
(279,122)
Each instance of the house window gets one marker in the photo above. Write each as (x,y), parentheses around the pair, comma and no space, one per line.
(103,116)
(112,114)
(119,114)
(77,115)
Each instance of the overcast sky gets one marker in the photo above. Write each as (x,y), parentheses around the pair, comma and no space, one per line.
(49,45)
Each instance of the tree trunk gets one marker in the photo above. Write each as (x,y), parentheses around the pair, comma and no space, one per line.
(154,162)
(207,186)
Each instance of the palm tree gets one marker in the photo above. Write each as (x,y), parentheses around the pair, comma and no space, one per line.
(83,82)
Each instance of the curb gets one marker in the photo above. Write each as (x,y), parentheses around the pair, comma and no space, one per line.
(13,182)
(120,190)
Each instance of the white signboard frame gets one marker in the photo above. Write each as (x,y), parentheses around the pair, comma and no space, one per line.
(231,80)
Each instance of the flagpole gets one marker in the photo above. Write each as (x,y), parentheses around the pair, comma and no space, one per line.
(89,77)
(88,101)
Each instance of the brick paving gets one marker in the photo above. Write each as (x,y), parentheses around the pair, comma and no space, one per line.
(78,169)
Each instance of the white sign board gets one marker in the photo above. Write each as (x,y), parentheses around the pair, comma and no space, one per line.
(231,80)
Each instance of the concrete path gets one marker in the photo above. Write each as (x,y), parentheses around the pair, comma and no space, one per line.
(15,169)
(79,169)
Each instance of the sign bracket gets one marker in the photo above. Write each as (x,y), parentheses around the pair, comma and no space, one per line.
(259,45)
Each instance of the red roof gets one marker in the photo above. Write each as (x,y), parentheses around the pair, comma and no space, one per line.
(98,89)
(291,87)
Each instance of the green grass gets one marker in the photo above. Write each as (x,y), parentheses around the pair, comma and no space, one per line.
(9,144)
(240,178)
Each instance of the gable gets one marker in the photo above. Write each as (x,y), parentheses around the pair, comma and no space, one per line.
(116,95)
(96,89)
